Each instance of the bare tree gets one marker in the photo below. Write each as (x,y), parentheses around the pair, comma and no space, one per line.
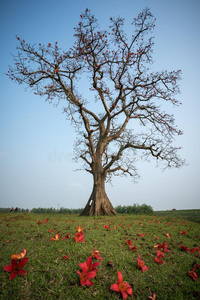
(121,115)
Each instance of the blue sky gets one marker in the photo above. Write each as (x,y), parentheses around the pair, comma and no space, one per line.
(36,140)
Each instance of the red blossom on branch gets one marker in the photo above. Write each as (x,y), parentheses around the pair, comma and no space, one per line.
(117,71)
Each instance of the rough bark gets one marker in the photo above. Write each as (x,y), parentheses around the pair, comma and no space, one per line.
(98,203)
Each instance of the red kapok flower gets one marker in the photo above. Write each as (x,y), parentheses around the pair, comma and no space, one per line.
(95,254)
(16,267)
(159,256)
(141,264)
(88,271)
(79,229)
(184,248)
(168,235)
(68,236)
(129,242)
(164,247)
(152,297)
(122,287)
(106,227)
(19,256)
(195,249)
(65,257)
(140,234)
(85,277)
(55,238)
(192,272)
(88,266)
(183,232)
(132,248)
(78,237)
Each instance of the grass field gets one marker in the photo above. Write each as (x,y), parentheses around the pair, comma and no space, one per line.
(52,277)
(189,214)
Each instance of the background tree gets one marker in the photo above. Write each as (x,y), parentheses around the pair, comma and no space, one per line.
(122,115)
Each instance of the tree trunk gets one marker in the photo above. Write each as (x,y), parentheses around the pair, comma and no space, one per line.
(98,203)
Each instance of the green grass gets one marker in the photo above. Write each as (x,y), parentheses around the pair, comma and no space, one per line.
(189,214)
(51,277)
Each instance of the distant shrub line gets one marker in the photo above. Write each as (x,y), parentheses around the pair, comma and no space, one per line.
(130,209)
(135,209)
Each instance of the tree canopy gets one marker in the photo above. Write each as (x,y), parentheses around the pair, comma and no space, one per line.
(120,113)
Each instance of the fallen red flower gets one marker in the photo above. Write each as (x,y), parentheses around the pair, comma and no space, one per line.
(19,256)
(16,267)
(141,264)
(65,257)
(85,277)
(152,297)
(79,237)
(57,237)
(192,272)
(68,236)
(79,229)
(140,234)
(183,232)
(88,266)
(159,256)
(129,242)
(88,271)
(195,249)
(132,248)
(167,235)
(122,287)
(163,247)
(107,227)
(184,248)
(95,254)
